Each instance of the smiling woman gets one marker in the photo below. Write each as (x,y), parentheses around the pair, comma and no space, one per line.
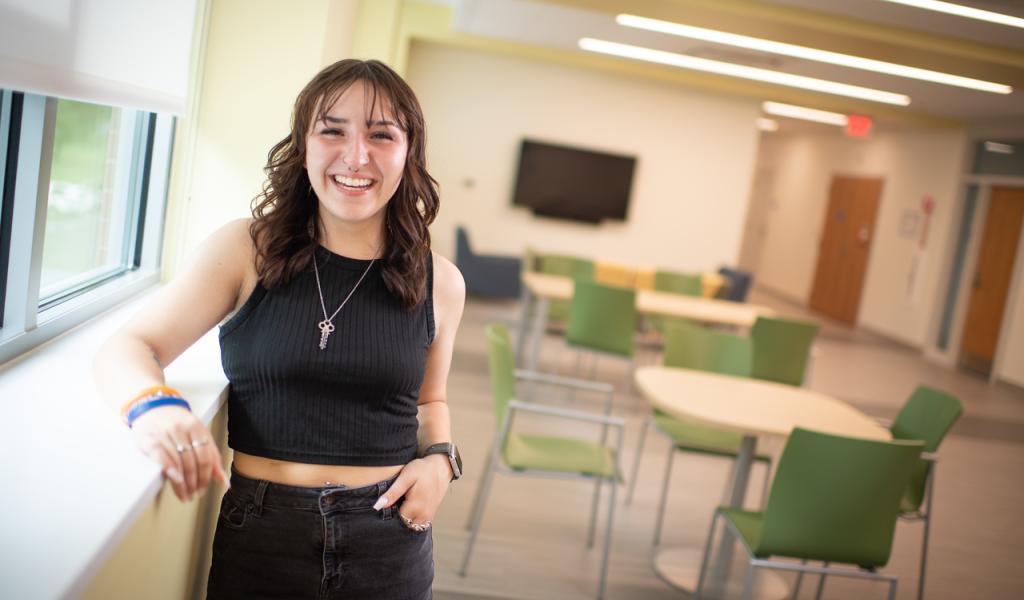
(342,443)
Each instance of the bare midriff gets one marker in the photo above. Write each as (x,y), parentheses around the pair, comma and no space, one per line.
(310,475)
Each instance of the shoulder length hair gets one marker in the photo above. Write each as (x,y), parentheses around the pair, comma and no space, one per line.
(286,225)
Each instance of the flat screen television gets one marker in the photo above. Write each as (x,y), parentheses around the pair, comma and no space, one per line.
(573,183)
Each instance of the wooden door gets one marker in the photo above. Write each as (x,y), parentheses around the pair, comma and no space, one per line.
(992,278)
(844,247)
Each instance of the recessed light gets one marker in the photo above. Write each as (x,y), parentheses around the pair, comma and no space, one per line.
(833,58)
(963,11)
(742,71)
(802,112)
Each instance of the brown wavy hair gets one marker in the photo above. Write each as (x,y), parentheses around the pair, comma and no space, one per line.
(286,225)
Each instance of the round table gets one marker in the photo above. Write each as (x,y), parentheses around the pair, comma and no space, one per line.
(753,408)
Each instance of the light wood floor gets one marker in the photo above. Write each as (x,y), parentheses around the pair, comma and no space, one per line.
(532,542)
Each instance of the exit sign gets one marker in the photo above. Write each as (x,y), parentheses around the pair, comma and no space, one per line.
(858,126)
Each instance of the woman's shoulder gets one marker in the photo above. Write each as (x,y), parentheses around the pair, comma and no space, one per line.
(449,287)
(233,253)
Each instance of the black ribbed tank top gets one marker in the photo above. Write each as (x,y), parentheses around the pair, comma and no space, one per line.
(353,403)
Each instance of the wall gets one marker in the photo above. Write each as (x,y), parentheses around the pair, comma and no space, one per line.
(259,55)
(912,165)
(695,156)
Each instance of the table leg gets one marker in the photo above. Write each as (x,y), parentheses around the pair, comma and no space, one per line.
(540,321)
(528,306)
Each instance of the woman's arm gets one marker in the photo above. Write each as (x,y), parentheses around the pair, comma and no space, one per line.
(183,311)
(424,481)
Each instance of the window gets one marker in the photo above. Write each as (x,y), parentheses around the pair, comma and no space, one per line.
(83,203)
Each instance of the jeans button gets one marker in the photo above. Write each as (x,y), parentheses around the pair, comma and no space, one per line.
(250,507)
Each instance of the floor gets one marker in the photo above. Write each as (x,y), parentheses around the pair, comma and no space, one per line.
(532,541)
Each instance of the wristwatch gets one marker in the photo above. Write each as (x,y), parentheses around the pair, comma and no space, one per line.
(449,450)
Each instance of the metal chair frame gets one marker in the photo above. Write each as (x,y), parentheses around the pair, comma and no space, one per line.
(494,463)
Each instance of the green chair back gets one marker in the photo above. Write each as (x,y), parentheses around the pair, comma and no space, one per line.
(503,369)
(678,283)
(691,346)
(781,349)
(568,266)
(836,498)
(602,317)
(927,416)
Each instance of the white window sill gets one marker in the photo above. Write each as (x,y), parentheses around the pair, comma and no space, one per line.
(73,480)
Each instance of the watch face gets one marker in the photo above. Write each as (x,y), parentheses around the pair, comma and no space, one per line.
(456,460)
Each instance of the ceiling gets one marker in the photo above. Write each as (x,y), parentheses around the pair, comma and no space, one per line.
(869,28)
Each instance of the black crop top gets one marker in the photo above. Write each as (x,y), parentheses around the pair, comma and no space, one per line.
(353,403)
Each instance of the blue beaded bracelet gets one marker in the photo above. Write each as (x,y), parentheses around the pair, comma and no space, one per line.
(150,403)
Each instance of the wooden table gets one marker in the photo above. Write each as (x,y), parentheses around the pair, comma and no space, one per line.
(753,408)
(540,288)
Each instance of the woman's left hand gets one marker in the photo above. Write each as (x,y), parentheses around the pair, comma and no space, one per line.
(423,482)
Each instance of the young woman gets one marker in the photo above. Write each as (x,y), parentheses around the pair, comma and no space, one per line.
(337,349)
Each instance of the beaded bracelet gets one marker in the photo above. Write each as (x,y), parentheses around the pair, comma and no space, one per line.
(155,391)
(148,404)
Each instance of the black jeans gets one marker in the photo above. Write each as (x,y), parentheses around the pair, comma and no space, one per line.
(281,541)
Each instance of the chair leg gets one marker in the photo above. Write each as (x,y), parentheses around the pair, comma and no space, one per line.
(485,489)
(927,530)
(748,582)
(664,495)
(892,590)
(799,580)
(608,539)
(707,553)
(767,484)
(821,584)
(593,512)
(636,460)
(479,490)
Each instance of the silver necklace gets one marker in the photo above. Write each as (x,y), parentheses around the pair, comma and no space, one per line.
(327,325)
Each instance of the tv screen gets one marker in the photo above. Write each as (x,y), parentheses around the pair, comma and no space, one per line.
(572,183)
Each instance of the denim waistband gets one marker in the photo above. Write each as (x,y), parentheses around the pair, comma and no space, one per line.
(320,499)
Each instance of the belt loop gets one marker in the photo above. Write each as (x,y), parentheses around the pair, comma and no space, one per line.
(382,487)
(261,489)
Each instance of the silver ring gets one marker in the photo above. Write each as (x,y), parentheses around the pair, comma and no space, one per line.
(181,448)
(417,527)
(202,442)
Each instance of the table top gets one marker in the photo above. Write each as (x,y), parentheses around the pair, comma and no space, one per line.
(708,310)
(751,406)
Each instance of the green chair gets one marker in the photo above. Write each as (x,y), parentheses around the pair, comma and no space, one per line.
(834,499)
(602,321)
(545,455)
(782,348)
(927,416)
(567,266)
(678,283)
(690,346)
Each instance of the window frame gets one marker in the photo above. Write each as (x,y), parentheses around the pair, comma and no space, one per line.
(26,149)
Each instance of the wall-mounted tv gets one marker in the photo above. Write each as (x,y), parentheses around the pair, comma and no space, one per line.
(573,183)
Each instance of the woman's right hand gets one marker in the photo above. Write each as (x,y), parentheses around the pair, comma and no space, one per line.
(182,445)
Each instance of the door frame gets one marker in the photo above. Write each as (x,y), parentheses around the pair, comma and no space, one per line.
(950,356)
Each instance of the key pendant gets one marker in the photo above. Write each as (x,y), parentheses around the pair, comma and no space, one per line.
(326,327)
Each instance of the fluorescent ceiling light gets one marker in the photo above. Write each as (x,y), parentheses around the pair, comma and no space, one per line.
(833,58)
(766,124)
(963,11)
(742,71)
(801,112)
(998,148)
